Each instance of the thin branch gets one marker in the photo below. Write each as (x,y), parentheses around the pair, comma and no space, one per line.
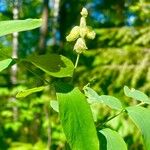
(77,60)
(140,104)
(123,110)
(37,75)
(109,119)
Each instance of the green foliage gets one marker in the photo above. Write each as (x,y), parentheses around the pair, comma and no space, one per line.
(7,27)
(27,146)
(142,9)
(118,37)
(54,105)
(125,58)
(110,101)
(111,140)
(76,118)
(122,59)
(123,66)
(5,63)
(135,94)
(140,117)
(24,93)
(91,95)
(14,126)
(53,64)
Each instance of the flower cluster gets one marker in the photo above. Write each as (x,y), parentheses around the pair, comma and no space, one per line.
(79,33)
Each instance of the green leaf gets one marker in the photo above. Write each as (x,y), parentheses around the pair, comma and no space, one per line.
(7,27)
(76,118)
(111,140)
(5,63)
(91,95)
(110,101)
(27,92)
(52,64)
(135,94)
(54,105)
(141,117)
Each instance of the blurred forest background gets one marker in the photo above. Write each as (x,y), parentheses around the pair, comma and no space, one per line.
(120,55)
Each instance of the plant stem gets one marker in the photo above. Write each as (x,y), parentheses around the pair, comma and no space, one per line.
(75,66)
(77,60)
(109,119)
(140,104)
(37,75)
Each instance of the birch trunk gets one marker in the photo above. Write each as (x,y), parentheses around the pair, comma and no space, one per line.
(44,28)
(14,68)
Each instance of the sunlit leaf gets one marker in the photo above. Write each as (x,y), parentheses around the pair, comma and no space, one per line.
(10,26)
(76,118)
(52,64)
(54,105)
(27,92)
(5,63)
(135,94)
(7,113)
(141,117)
(110,101)
(111,140)
(20,146)
(91,95)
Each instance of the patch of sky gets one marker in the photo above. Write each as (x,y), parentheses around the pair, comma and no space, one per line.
(2,5)
(94,4)
(54,40)
(51,4)
(4,41)
(130,20)
(98,2)
(99,16)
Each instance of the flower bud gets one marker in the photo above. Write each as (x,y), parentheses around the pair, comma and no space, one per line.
(74,34)
(90,34)
(83,31)
(84,12)
(82,22)
(80,45)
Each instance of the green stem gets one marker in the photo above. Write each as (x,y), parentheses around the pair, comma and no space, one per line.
(77,60)
(75,66)
(109,119)
(140,104)
(35,74)
(123,110)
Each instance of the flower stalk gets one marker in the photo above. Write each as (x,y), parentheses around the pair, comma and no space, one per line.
(79,34)
(77,60)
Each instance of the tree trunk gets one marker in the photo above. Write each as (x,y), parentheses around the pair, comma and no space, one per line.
(44,28)
(56,6)
(14,68)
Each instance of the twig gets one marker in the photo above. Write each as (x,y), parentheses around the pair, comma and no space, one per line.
(101,124)
(77,60)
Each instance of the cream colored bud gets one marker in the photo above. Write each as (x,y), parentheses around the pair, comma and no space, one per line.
(83,31)
(80,45)
(74,34)
(84,12)
(82,22)
(90,33)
